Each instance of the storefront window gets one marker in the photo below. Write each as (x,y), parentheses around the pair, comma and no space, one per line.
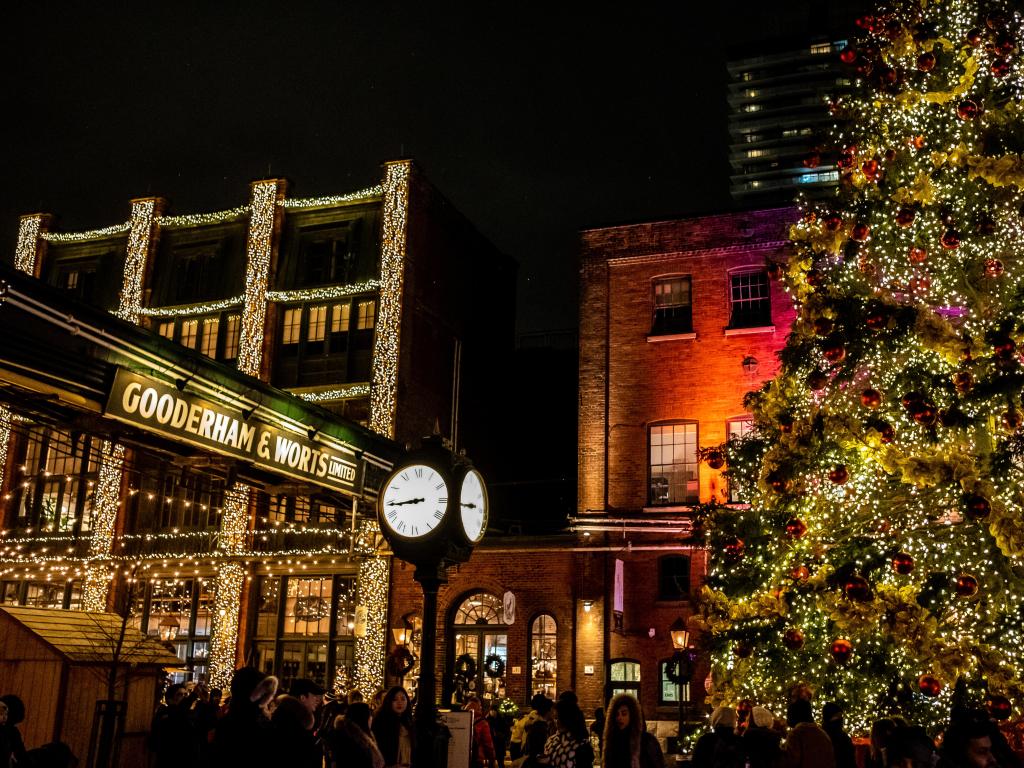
(42,594)
(543,656)
(479,634)
(58,474)
(179,612)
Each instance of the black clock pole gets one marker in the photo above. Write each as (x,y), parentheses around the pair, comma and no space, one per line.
(431,737)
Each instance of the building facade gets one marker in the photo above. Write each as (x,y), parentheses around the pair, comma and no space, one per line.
(678,320)
(356,323)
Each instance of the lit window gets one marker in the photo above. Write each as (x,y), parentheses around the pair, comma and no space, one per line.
(752,138)
(750,302)
(292,325)
(232,328)
(71,279)
(752,94)
(543,656)
(340,314)
(673,464)
(757,152)
(624,676)
(673,310)
(317,323)
(752,108)
(670,692)
(167,330)
(189,333)
(747,76)
(209,342)
(366,315)
(820,48)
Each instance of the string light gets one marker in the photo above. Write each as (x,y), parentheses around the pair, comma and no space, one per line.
(92,234)
(140,236)
(203,219)
(373,595)
(260,247)
(395,213)
(337,393)
(30,229)
(224,636)
(317,202)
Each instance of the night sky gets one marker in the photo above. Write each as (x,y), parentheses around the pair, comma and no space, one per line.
(534,120)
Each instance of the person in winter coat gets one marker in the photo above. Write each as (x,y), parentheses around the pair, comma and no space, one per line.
(499,732)
(243,736)
(12,712)
(293,741)
(173,736)
(350,744)
(540,711)
(393,729)
(627,744)
(761,742)
(720,747)
(482,752)
(807,745)
(842,744)
(570,747)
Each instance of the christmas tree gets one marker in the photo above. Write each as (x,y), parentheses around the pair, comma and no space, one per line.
(881,560)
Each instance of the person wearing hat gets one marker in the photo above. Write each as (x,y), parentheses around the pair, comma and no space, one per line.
(719,747)
(309,693)
(761,741)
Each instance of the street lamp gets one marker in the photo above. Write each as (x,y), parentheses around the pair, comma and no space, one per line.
(683,661)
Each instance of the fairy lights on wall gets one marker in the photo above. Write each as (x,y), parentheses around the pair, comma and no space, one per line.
(395,213)
(336,393)
(370,649)
(317,202)
(224,636)
(30,230)
(105,507)
(140,237)
(257,275)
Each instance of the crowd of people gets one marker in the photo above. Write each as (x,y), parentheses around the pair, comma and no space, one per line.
(751,736)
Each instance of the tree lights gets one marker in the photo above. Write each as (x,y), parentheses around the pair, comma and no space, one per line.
(909,572)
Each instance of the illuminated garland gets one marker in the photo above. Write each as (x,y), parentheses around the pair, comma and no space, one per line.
(193,309)
(224,632)
(5,439)
(202,219)
(370,649)
(105,507)
(257,274)
(316,202)
(338,393)
(392,271)
(30,230)
(92,234)
(140,237)
(319,294)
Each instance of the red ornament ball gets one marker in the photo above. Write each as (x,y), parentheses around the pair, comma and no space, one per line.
(925,413)
(1011,420)
(902,563)
(876,319)
(839,474)
(841,650)
(778,481)
(998,707)
(870,168)
(917,254)
(800,573)
(911,400)
(974,37)
(967,109)
(795,528)
(857,588)
(977,507)
(1004,347)
(926,61)
(905,216)
(993,268)
(1000,68)
(833,222)
(886,433)
(860,232)
(848,55)
(929,685)
(742,650)
(734,548)
(871,398)
(817,380)
(950,240)
(966,585)
(793,639)
(834,351)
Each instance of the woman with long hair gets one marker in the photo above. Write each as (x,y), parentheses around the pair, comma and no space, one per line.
(350,743)
(570,746)
(627,744)
(393,728)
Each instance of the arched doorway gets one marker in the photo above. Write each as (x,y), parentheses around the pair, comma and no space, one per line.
(477,632)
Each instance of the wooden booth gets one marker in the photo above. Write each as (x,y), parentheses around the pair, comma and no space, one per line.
(59,663)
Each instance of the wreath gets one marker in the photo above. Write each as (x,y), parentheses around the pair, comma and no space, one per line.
(679,669)
(494,666)
(400,662)
(465,666)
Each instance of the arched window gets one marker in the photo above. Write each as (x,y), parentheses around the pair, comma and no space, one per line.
(544,655)
(478,631)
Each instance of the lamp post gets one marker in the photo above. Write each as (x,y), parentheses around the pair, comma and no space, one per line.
(684,658)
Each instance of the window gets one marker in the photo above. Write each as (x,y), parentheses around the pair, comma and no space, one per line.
(209,344)
(737,429)
(670,692)
(544,656)
(292,325)
(624,677)
(328,258)
(232,327)
(61,469)
(317,328)
(195,273)
(673,464)
(189,333)
(478,630)
(820,48)
(367,315)
(673,312)
(750,300)
(340,317)
(167,330)
(674,577)
(307,606)
(180,612)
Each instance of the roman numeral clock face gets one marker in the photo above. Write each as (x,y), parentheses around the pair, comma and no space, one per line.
(414,502)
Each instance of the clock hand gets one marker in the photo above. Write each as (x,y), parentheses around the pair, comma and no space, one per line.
(469,504)
(401,503)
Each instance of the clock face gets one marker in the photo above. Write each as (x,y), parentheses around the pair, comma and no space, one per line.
(414,501)
(473,501)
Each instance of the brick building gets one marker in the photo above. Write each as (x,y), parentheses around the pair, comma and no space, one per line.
(678,320)
(355,323)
